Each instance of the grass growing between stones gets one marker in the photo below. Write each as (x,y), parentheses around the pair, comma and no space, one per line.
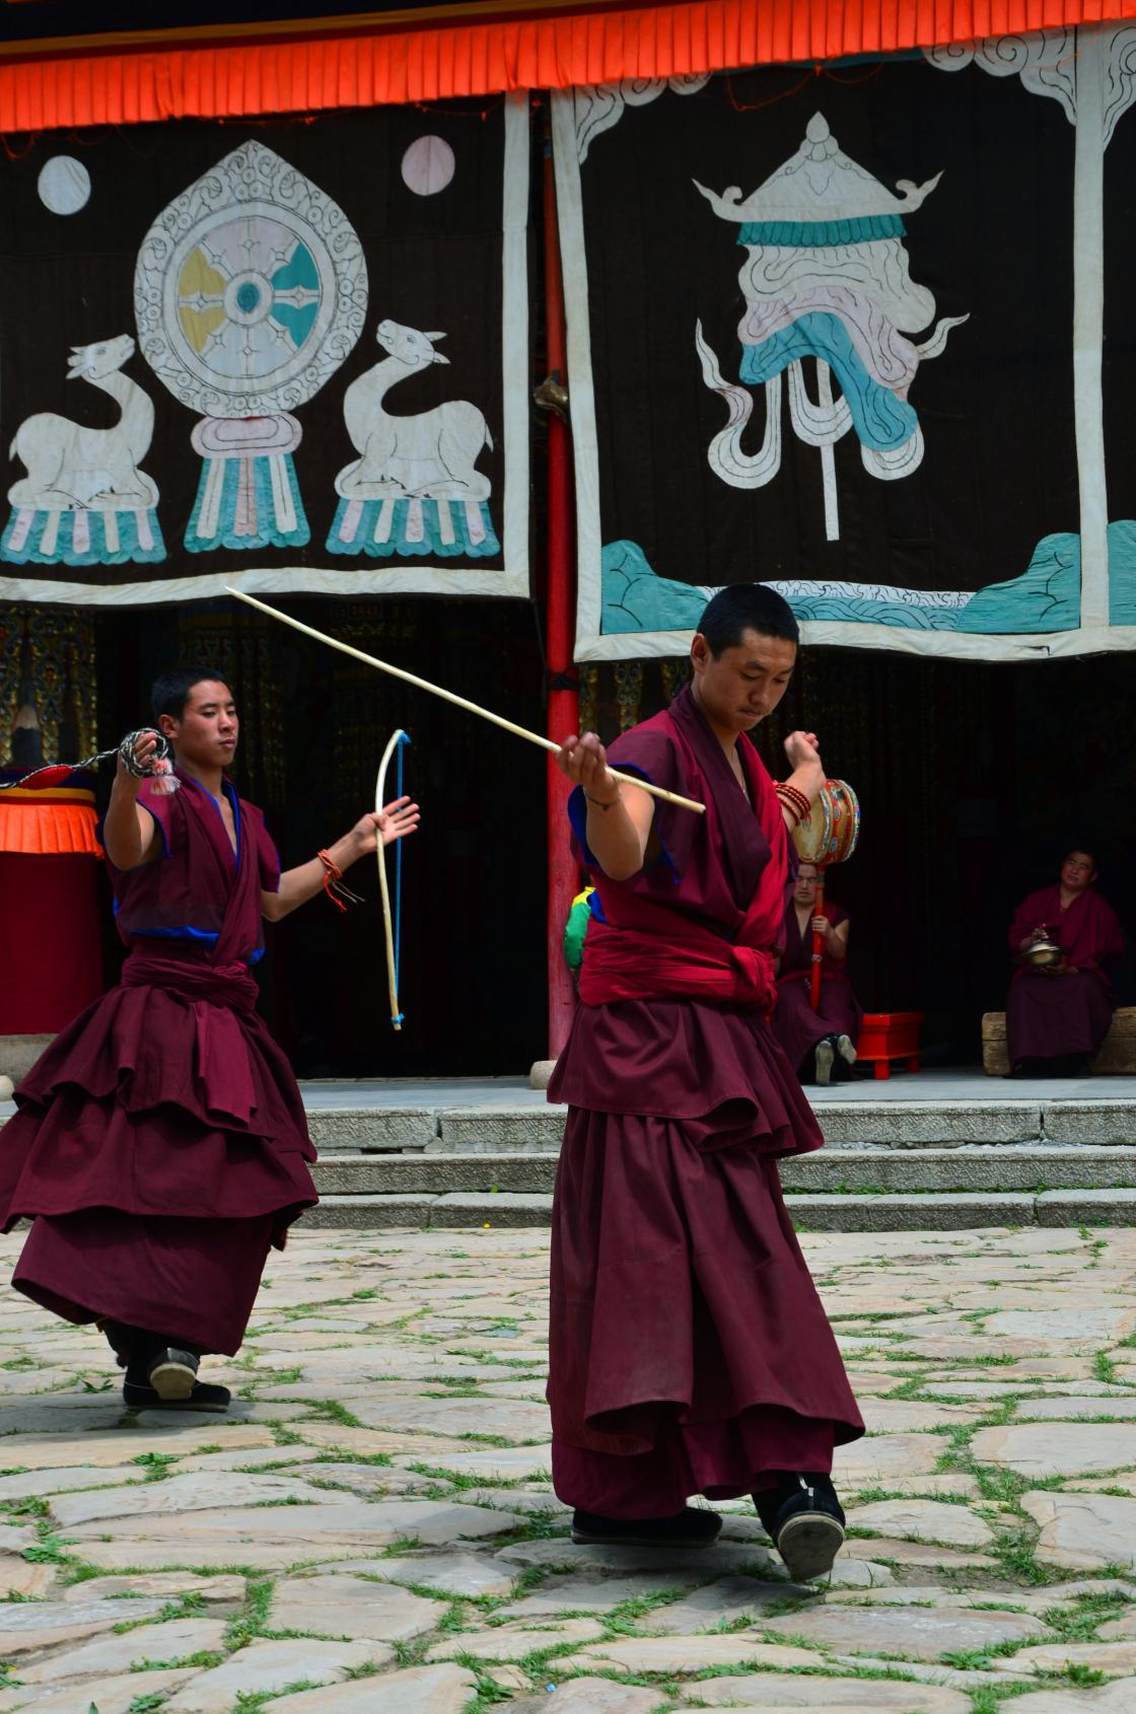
(252,1620)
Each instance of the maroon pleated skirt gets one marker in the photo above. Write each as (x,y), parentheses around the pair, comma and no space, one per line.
(689,1351)
(160,1146)
(195,1280)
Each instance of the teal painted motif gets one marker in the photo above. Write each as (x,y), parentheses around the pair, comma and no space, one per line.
(881,419)
(1122,572)
(299,279)
(1045,597)
(249,520)
(814,234)
(382,528)
(82,538)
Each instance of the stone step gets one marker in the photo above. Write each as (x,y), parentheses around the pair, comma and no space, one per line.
(521,1127)
(819,1212)
(998,1170)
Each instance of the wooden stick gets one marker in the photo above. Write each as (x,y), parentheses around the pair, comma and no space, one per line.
(384,889)
(450,696)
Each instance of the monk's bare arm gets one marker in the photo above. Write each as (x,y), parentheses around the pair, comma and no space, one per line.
(836,940)
(619,815)
(130,833)
(808,770)
(299,885)
(618,836)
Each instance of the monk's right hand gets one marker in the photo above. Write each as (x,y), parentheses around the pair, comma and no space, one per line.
(584,761)
(144,750)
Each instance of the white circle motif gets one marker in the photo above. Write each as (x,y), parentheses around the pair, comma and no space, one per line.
(428,165)
(64,185)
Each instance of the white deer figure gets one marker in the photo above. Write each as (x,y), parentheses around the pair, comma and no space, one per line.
(428,456)
(71,467)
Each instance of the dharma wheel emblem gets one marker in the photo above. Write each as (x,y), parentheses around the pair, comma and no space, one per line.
(250,290)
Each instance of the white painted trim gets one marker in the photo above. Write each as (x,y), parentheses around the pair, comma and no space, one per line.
(515,348)
(940,645)
(1093,47)
(581,382)
(266,580)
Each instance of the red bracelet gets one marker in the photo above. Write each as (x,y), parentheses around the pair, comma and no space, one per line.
(333,883)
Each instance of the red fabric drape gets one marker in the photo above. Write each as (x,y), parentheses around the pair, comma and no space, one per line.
(423,64)
(50,942)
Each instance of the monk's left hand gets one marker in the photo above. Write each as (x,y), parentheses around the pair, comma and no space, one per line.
(395,821)
(820,925)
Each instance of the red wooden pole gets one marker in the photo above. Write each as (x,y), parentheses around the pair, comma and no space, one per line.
(563,698)
(816,973)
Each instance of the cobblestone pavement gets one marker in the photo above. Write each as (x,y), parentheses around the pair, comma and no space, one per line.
(372,1527)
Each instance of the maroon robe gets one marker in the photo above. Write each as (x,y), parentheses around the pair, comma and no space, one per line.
(797,1027)
(161,1143)
(1051,1016)
(688,1350)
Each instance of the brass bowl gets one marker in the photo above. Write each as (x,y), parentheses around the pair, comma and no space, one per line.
(1044,953)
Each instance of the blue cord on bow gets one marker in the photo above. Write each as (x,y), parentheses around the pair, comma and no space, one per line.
(403,740)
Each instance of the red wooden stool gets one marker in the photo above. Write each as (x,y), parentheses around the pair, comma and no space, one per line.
(887,1036)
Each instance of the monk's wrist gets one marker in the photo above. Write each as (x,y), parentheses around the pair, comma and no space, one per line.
(347,850)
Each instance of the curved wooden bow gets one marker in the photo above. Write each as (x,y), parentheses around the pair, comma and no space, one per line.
(396,738)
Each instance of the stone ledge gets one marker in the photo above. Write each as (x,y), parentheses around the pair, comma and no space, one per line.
(500,1130)
(436,1174)
(1001,1168)
(373,1128)
(1086,1208)
(373,1213)
(820,1212)
(931,1213)
(506,1209)
(1100,1122)
(998,1169)
(914,1124)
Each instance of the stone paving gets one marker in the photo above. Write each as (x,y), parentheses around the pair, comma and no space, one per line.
(372,1530)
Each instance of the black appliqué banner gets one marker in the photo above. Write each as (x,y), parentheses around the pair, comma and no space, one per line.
(296,352)
(843,329)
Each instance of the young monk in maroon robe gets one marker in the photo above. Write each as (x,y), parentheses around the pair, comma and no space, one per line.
(160,1145)
(817,1043)
(1057,1015)
(689,1352)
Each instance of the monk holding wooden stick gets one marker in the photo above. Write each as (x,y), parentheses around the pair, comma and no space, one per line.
(689,1352)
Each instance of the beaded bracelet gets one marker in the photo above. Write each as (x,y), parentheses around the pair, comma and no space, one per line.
(794,801)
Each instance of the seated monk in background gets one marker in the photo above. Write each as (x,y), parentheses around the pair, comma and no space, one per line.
(816,1043)
(1057,1015)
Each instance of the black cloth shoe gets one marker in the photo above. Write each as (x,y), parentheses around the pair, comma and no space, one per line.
(171,1372)
(694,1526)
(805,1522)
(139,1395)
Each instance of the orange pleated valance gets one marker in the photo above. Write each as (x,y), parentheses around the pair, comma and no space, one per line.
(57,823)
(402,64)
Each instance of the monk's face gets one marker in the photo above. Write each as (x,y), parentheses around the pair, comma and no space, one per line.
(1078,871)
(738,688)
(805,891)
(206,735)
